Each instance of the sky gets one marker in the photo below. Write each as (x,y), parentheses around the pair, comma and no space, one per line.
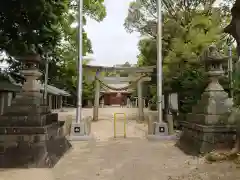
(111,43)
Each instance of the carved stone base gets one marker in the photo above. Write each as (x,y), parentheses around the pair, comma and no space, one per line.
(200,139)
(41,155)
(30,135)
(32,150)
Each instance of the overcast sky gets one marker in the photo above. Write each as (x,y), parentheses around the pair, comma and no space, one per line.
(111,43)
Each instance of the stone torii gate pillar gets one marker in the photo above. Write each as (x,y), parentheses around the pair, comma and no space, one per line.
(96,100)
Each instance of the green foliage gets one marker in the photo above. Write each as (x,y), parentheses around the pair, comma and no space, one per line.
(67,52)
(30,25)
(189,84)
(95,9)
(45,27)
(188,27)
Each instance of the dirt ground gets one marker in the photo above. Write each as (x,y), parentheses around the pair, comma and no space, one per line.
(133,158)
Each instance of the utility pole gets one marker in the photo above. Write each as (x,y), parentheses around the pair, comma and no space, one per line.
(80,62)
(159,60)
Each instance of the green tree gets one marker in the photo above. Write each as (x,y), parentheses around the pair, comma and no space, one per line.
(30,26)
(188,27)
(67,52)
(45,27)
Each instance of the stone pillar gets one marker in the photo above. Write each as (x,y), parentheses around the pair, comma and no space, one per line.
(96,100)
(140,101)
(56,102)
(89,103)
(10,97)
(167,114)
(6,100)
(166,105)
(102,102)
(53,104)
(128,103)
(2,103)
(50,101)
(60,102)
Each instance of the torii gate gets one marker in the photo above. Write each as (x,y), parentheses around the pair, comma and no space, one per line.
(136,74)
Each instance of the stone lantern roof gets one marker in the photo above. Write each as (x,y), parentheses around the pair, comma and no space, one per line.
(212,54)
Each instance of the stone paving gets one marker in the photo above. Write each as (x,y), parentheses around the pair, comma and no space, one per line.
(133,158)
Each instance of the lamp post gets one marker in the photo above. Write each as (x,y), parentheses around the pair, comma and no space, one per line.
(159,60)
(80,62)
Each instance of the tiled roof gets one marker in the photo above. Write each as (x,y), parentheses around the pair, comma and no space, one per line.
(7,83)
(55,91)
(7,86)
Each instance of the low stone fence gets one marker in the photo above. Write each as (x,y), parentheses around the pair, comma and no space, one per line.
(152,117)
(68,123)
(87,124)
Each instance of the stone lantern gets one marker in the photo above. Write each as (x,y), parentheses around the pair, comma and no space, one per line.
(29,102)
(30,134)
(207,127)
(31,73)
(213,61)
(214,103)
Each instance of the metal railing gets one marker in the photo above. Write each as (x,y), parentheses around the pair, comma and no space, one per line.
(124,124)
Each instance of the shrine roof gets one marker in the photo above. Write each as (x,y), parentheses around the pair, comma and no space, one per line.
(55,90)
(118,86)
(8,86)
(6,83)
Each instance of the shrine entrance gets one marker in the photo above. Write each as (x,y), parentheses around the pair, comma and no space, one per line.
(116,90)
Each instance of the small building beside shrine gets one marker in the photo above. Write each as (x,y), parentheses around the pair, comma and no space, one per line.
(9,87)
(8,90)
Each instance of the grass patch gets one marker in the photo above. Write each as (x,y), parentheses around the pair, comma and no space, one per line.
(222,156)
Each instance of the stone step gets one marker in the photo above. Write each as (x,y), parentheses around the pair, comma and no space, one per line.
(27,109)
(28,100)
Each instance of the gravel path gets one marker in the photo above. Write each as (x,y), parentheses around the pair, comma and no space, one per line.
(133,158)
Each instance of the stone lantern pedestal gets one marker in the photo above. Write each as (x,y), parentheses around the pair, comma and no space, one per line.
(208,126)
(30,135)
